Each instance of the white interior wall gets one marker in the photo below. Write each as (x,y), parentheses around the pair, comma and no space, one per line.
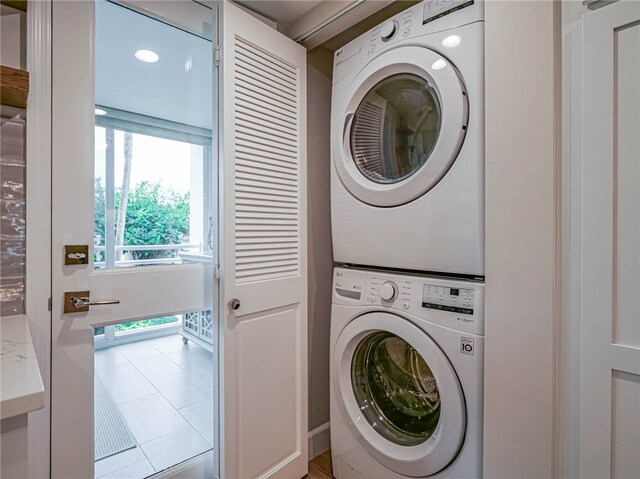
(320,252)
(520,233)
(521,225)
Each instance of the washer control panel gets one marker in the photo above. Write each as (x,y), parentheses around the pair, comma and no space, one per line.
(446,298)
(348,284)
(453,303)
(388,292)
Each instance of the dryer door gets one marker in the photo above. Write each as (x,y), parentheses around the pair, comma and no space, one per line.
(401,394)
(403,123)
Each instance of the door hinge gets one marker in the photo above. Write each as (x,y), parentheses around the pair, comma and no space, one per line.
(49,305)
(216,55)
(217,272)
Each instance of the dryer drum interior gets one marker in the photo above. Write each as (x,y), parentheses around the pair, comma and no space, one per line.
(395,128)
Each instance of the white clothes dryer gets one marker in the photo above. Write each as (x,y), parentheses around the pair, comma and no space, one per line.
(407,355)
(407,142)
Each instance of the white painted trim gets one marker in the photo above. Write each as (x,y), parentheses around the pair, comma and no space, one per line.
(180,14)
(38,193)
(330,18)
(521,85)
(319,440)
(567,382)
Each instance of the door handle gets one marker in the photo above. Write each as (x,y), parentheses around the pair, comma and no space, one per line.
(234,304)
(79,301)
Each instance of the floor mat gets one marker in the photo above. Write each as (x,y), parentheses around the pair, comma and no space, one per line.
(112,435)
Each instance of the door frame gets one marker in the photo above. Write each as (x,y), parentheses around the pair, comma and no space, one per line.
(163,13)
(567,382)
(38,191)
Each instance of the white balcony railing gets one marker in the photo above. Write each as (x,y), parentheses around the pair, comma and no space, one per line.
(123,263)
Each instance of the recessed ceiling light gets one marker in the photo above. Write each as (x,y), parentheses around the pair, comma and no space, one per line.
(439,64)
(451,41)
(100,111)
(147,56)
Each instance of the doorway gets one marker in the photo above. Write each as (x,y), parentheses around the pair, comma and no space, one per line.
(153,205)
(118,305)
(138,329)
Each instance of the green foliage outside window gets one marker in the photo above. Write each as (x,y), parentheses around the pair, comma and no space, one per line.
(145,323)
(155,216)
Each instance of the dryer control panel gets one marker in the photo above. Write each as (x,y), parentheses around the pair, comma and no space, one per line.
(434,9)
(450,302)
(408,27)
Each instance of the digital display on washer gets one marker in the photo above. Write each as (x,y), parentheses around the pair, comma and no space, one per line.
(434,9)
(444,298)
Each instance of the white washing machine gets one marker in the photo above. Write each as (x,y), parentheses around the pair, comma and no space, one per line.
(407,142)
(407,356)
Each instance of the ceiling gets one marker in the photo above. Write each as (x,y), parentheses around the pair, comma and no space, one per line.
(297,16)
(6,10)
(284,13)
(176,88)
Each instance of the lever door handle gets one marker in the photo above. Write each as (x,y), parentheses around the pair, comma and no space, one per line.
(79,302)
(82,301)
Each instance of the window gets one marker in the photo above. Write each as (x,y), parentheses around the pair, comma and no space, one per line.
(152,190)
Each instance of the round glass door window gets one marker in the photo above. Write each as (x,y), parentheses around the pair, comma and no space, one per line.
(395,389)
(395,128)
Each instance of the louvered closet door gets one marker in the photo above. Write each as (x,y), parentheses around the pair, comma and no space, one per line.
(264,258)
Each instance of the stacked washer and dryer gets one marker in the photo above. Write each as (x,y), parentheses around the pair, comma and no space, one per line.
(407,209)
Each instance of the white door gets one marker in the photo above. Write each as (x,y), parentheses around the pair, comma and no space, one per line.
(264,260)
(610,337)
(113,101)
(260,403)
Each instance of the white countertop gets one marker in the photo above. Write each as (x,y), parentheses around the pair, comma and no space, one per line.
(21,389)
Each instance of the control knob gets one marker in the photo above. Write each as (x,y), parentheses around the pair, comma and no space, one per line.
(388,29)
(389,291)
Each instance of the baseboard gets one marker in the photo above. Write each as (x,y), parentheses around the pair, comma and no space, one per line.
(319,440)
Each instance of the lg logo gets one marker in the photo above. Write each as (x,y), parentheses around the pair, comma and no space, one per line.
(466,346)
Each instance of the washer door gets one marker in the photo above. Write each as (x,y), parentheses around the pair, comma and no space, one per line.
(402,128)
(402,397)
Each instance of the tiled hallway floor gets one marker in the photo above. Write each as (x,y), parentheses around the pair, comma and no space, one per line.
(164,390)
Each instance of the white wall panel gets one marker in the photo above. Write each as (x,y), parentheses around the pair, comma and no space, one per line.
(521,176)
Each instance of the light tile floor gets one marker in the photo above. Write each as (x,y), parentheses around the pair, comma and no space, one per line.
(164,390)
